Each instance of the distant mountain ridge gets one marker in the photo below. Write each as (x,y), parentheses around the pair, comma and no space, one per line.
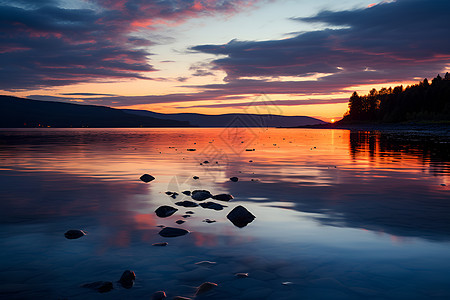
(23,113)
(232,120)
(18,112)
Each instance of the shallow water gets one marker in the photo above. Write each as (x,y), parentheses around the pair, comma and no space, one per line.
(339,214)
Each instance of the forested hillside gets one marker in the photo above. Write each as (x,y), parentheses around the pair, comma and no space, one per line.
(420,102)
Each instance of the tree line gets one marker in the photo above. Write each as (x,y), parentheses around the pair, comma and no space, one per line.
(419,102)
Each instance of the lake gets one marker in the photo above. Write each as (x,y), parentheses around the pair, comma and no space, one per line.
(339,214)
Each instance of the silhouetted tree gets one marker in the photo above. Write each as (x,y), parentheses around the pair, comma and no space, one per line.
(355,106)
(422,101)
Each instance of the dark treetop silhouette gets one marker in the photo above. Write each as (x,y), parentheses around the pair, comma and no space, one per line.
(419,102)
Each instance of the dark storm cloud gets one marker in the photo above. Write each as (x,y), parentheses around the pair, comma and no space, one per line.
(45,44)
(384,43)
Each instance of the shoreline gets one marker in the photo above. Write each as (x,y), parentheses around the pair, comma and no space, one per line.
(409,129)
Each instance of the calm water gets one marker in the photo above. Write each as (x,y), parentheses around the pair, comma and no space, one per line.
(339,214)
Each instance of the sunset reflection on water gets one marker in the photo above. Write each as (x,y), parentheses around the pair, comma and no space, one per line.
(366,197)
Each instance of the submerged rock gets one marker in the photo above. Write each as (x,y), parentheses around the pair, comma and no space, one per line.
(160,244)
(180,221)
(212,205)
(209,221)
(205,287)
(240,216)
(234,179)
(127,279)
(187,193)
(241,275)
(74,234)
(165,211)
(201,195)
(99,286)
(172,232)
(186,203)
(159,295)
(222,197)
(206,263)
(147,178)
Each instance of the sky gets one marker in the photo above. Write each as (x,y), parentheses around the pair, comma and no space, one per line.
(228,56)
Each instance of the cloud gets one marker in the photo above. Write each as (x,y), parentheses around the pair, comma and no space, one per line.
(45,43)
(86,94)
(391,41)
(272,102)
(201,69)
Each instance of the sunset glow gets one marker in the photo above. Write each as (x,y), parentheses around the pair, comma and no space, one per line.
(217,57)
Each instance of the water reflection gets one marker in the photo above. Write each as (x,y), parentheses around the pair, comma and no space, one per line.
(327,203)
(432,151)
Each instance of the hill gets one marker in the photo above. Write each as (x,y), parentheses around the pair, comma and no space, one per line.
(19,113)
(232,120)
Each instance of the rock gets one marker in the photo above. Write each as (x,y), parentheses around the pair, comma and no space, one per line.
(99,286)
(160,244)
(186,203)
(206,162)
(201,195)
(180,221)
(172,232)
(234,179)
(212,205)
(205,263)
(196,177)
(241,275)
(209,221)
(186,216)
(192,149)
(165,211)
(222,197)
(240,216)
(159,295)
(147,178)
(161,226)
(190,212)
(74,234)
(249,149)
(205,287)
(187,193)
(172,194)
(127,279)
